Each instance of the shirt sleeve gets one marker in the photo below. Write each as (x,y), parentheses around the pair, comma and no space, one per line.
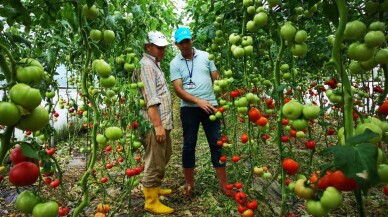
(148,77)
(212,66)
(174,71)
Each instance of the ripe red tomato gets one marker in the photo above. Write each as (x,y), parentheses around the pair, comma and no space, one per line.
(63,211)
(262,121)
(290,166)
(330,131)
(223,159)
(24,173)
(341,182)
(324,182)
(130,172)
(229,186)
(104,179)
(1,178)
(254,114)
(240,197)
(47,180)
(238,185)
(234,94)
(235,159)
(244,138)
(17,156)
(252,204)
(293,133)
(383,109)
(285,122)
(50,151)
(310,144)
(386,190)
(219,143)
(224,139)
(269,102)
(55,183)
(241,208)
(109,166)
(284,138)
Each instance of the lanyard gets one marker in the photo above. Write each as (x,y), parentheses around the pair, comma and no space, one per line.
(192,67)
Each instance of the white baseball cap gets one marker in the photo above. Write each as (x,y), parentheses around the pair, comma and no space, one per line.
(157,38)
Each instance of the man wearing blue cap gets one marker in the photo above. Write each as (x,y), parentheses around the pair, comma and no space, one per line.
(192,75)
(159,112)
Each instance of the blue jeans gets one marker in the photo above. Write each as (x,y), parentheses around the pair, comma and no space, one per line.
(191,117)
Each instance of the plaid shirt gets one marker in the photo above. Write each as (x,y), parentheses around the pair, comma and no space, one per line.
(155,91)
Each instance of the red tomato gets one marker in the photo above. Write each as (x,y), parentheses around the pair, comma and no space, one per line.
(290,166)
(341,182)
(219,143)
(244,138)
(109,166)
(234,94)
(241,208)
(284,138)
(24,173)
(47,180)
(238,185)
(293,133)
(330,131)
(262,121)
(383,109)
(55,183)
(223,159)
(310,144)
(17,156)
(285,122)
(386,190)
(235,159)
(240,197)
(252,204)
(104,179)
(50,151)
(254,114)
(224,139)
(324,182)
(63,211)
(229,186)
(269,102)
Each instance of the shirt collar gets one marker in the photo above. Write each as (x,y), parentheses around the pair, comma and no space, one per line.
(195,54)
(151,57)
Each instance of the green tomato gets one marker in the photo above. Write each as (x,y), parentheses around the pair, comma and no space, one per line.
(102,68)
(25,96)
(36,120)
(354,30)
(260,19)
(374,38)
(26,201)
(300,36)
(9,114)
(300,124)
(311,111)
(108,82)
(303,191)
(292,110)
(212,117)
(381,56)
(383,172)
(29,70)
(101,139)
(299,49)
(288,31)
(95,34)
(315,208)
(331,198)
(113,133)
(109,36)
(49,209)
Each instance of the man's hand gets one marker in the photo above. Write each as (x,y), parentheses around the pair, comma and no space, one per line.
(206,106)
(160,134)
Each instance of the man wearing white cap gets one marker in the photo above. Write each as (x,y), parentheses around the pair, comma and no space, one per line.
(159,112)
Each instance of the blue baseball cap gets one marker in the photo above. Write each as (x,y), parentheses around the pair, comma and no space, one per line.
(181,34)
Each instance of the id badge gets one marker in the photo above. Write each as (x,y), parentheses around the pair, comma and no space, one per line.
(190,85)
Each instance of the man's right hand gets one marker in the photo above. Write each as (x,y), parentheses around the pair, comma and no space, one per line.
(206,106)
(160,134)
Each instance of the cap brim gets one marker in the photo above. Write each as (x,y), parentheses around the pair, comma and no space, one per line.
(161,43)
(183,38)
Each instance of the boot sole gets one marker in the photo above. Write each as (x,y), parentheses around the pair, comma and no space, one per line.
(158,213)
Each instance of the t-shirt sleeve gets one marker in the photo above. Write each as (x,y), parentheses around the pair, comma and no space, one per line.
(174,71)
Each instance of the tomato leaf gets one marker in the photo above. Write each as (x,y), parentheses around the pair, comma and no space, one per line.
(363,138)
(28,151)
(357,161)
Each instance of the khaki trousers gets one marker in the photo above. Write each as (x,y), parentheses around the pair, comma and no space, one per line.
(156,157)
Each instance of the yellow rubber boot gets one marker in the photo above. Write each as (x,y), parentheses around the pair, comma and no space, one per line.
(152,203)
(165,191)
